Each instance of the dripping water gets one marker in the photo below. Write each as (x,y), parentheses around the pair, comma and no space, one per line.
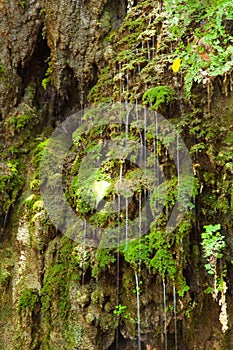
(148,50)
(5,220)
(165,314)
(156,155)
(194,197)
(127,87)
(83,258)
(118,247)
(139,67)
(140,218)
(127,121)
(138,312)
(120,75)
(178,160)
(175,319)
(139,229)
(141,151)
(178,183)
(153,47)
(145,122)
(136,102)
(126,221)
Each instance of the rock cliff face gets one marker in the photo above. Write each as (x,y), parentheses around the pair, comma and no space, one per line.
(56,58)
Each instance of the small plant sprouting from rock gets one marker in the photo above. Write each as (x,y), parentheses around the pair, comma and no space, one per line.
(159,95)
(213,244)
(47,79)
(119,310)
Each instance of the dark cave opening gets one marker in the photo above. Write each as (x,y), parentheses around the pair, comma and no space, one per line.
(36,67)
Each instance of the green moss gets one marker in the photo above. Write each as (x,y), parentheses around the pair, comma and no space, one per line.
(2,70)
(99,92)
(6,265)
(11,182)
(61,274)
(28,300)
(48,76)
(20,121)
(104,258)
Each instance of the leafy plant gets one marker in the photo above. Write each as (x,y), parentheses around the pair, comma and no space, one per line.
(159,95)
(119,310)
(213,244)
(210,52)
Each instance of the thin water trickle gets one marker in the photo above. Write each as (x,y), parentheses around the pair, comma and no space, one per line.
(118,249)
(127,82)
(136,103)
(141,152)
(121,171)
(83,258)
(156,158)
(126,221)
(153,47)
(120,76)
(157,148)
(126,102)
(139,67)
(148,51)
(139,229)
(145,130)
(140,216)
(178,160)
(165,314)
(82,99)
(127,122)
(138,311)
(5,221)
(175,319)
